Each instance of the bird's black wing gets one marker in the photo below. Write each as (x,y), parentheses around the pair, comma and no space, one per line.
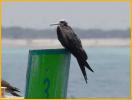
(6,84)
(61,37)
(73,43)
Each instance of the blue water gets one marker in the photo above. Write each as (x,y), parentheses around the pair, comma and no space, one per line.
(111,77)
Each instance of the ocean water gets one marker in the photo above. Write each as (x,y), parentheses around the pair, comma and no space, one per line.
(111,78)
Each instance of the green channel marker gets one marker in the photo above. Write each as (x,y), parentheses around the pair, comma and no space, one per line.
(47,73)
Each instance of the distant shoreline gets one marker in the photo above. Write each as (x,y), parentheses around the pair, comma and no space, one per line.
(54,43)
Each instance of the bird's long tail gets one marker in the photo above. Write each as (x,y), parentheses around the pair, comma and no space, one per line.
(15,94)
(87,65)
(13,91)
(82,65)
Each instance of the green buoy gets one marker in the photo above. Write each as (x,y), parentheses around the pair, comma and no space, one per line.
(47,73)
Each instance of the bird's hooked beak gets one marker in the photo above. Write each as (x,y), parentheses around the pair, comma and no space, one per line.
(54,24)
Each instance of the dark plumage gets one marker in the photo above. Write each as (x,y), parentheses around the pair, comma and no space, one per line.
(10,88)
(70,41)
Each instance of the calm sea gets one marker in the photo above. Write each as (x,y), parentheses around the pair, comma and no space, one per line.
(111,77)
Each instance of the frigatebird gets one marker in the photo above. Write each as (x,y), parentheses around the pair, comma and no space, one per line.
(9,88)
(71,41)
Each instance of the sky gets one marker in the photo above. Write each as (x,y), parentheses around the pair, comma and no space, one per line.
(85,15)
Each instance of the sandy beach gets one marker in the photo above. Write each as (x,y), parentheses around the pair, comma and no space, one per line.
(54,43)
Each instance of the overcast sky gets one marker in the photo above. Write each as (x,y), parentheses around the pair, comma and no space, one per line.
(82,15)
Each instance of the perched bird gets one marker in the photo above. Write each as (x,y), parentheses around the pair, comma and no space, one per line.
(70,41)
(9,88)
